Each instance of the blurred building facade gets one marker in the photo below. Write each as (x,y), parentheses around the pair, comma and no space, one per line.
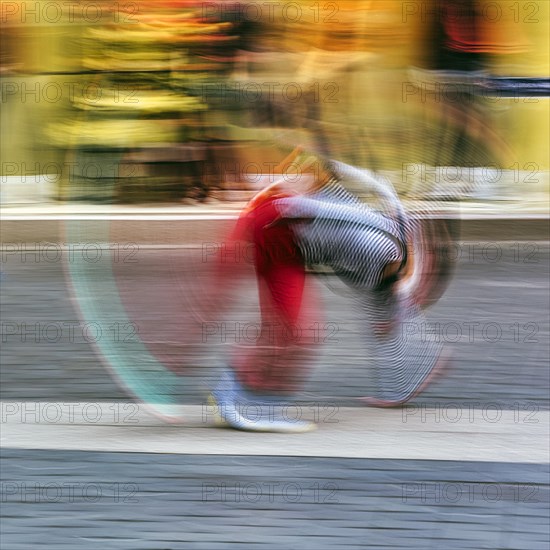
(169,100)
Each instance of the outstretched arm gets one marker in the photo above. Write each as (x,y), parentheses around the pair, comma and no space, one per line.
(288,160)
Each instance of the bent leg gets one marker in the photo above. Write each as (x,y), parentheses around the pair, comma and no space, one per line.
(277,362)
(405,354)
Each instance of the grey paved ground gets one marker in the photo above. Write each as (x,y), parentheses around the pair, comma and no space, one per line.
(70,499)
(140,501)
(494,316)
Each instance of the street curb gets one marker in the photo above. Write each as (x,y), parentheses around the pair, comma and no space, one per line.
(201,229)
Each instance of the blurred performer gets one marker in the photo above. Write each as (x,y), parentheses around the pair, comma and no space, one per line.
(326,225)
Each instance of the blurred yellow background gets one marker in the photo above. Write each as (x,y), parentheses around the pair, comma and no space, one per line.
(113,77)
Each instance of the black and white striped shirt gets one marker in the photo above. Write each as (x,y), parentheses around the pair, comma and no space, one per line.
(334,228)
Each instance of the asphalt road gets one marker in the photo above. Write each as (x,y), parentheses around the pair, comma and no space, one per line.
(494,315)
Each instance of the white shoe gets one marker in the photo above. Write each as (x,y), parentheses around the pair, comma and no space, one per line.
(237,408)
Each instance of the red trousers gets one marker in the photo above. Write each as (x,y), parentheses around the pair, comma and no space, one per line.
(289,329)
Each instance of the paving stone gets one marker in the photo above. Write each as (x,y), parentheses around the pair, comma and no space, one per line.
(370,510)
